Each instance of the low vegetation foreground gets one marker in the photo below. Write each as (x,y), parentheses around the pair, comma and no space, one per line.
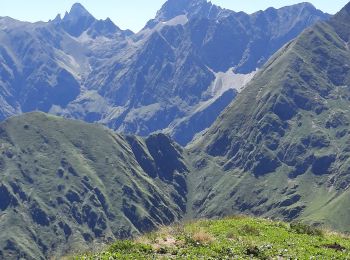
(232,238)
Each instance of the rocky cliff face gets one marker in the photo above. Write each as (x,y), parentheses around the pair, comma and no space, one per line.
(89,69)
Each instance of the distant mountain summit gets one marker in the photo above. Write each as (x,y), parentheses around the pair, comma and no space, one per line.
(77,10)
(341,23)
(176,75)
(190,8)
(77,20)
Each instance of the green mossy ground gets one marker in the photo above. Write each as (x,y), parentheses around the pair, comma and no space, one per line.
(231,238)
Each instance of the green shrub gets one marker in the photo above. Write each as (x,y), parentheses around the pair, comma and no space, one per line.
(249,230)
(231,235)
(301,228)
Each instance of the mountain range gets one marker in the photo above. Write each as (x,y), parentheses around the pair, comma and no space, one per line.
(279,150)
(176,75)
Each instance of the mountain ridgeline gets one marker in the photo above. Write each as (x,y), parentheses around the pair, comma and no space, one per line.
(65,184)
(285,139)
(279,150)
(175,75)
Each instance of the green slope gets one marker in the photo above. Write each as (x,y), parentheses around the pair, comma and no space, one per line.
(67,185)
(231,238)
(282,148)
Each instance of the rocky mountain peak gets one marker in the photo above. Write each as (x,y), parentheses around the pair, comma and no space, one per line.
(174,8)
(57,19)
(341,23)
(305,5)
(347,8)
(77,11)
(77,20)
(344,13)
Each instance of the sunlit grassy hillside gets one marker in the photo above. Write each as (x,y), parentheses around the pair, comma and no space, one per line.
(231,238)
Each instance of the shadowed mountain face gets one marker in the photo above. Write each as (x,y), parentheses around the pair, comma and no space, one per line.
(188,62)
(44,65)
(285,139)
(66,185)
(79,20)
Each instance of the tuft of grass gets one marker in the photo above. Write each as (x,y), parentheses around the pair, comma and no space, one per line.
(202,237)
(230,234)
(249,230)
(301,228)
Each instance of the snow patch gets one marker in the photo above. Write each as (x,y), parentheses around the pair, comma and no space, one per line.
(230,80)
(223,82)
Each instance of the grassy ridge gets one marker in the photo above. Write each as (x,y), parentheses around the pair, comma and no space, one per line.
(282,148)
(231,238)
(67,185)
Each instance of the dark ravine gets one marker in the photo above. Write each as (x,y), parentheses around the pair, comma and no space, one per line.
(83,68)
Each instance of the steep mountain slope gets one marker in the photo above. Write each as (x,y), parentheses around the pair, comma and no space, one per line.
(175,72)
(43,65)
(66,185)
(282,148)
(189,62)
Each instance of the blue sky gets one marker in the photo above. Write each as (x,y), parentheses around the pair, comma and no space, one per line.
(133,14)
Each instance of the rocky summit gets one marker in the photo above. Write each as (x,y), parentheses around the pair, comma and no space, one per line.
(184,67)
